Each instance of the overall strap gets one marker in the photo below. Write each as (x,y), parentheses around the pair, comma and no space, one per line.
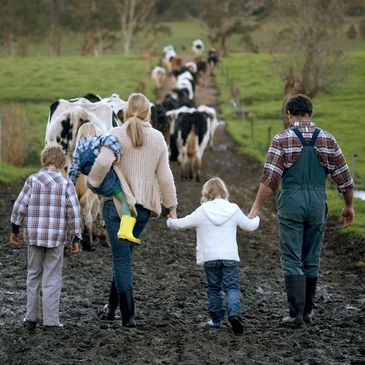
(303,141)
(300,136)
(314,137)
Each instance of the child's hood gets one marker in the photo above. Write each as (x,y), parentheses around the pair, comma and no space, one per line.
(219,211)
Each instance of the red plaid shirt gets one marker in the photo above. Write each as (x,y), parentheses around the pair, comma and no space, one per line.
(286,148)
(48,209)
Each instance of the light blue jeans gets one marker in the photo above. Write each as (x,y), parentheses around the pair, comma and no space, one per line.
(222,275)
(122,250)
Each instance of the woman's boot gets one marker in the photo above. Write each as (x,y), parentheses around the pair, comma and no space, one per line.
(110,308)
(126,303)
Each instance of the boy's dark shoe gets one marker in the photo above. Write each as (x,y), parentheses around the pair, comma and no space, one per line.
(29,325)
(236,324)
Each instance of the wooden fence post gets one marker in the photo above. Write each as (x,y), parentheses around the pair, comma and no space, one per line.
(268,137)
(353,167)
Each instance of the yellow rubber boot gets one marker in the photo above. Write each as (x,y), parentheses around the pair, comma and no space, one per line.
(126,229)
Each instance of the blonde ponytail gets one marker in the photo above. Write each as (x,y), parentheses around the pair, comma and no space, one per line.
(138,111)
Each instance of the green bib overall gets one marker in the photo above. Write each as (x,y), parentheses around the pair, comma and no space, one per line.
(302,211)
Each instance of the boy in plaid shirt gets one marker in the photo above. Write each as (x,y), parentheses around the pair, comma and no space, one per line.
(48,210)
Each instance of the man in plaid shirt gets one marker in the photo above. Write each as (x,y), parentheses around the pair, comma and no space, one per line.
(300,158)
(48,210)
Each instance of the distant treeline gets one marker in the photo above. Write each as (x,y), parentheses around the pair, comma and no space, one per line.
(99,27)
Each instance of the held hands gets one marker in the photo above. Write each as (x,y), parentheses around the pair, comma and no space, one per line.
(172,214)
(253,213)
(15,239)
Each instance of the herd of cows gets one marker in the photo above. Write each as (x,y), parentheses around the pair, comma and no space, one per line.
(187,128)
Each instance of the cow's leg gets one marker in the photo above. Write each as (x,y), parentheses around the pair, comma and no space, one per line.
(87,233)
(99,227)
(197,167)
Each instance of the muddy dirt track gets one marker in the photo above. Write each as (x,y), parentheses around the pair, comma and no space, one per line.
(170,293)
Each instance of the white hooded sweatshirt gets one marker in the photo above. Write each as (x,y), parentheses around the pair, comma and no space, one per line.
(216,224)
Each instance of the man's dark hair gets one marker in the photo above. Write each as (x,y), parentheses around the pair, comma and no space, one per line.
(300,105)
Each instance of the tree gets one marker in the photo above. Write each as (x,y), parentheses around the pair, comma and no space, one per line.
(21,23)
(309,61)
(56,20)
(223,19)
(133,15)
(96,21)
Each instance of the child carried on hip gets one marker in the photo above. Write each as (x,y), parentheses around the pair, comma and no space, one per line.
(88,144)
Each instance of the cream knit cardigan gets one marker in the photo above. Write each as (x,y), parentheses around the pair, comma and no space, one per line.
(144,172)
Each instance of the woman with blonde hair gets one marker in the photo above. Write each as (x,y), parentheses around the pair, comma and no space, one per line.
(89,141)
(146,179)
(216,222)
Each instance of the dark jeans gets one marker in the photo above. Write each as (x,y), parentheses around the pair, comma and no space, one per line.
(222,275)
(122,250)
(110,182)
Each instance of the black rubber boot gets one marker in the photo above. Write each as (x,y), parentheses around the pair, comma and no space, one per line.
(127,309)
(112,305)
(310,292)
(295,289)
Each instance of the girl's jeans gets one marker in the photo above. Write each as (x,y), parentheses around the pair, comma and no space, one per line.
(122,250)
(222,275)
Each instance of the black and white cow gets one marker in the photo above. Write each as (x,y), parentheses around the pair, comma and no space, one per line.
(64,121)
(213,57)
(191,136)
(198,47)
(158,76)
(212,120)
(169,54)
(66,117)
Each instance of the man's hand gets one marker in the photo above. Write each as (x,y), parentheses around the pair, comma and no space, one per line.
(15,239)
(347,217)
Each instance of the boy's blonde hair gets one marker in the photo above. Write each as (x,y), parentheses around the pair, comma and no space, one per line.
(88,129)
(53,154)
(214,188)
(138,111)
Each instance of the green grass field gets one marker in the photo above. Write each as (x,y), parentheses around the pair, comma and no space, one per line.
(35,83)
(261,95)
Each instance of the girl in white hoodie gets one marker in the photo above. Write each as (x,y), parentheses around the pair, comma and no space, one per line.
(216,222)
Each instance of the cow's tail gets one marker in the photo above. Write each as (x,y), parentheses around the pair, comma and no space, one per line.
(191,143)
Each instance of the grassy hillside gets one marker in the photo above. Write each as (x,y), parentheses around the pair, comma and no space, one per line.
(261,95)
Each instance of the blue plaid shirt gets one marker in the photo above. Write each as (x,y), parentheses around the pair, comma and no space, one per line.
(94,144)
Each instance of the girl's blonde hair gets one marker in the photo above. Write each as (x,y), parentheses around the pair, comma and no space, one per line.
(88,129)
(53,154)
(214,188)
(138,111)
